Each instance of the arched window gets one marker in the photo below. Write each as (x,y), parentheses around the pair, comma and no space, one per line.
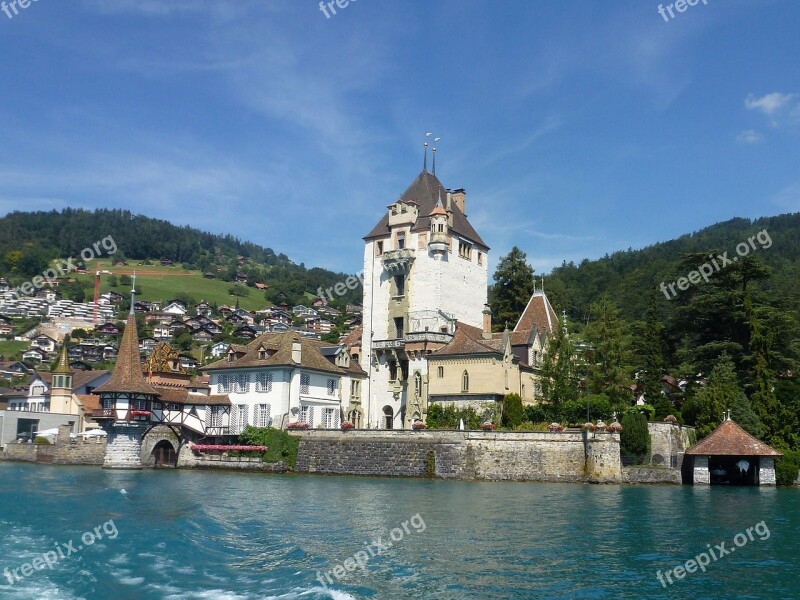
(465,382)
(388,417)
(440,372)
(417,385)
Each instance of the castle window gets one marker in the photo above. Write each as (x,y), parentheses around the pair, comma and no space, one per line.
(401,241)
(441,372)
(400,284)
(465,250)
(392,371)
(465,382)
(417,385)
(480,258)
(379,249)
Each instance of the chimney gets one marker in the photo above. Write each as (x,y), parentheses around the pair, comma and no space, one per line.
(487,322)
(460,199)
(449,209)
(297,352)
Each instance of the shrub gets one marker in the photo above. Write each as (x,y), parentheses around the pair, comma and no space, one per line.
(42,440)
(347,425)
(787,467)
(512,410)
(449,417)
(635,438)
(280,445)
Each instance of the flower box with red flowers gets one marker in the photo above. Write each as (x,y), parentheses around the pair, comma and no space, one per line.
(488,426)
(347,425)
(555,428)
(614,428)
(418,426)
(298,426)
(140,413)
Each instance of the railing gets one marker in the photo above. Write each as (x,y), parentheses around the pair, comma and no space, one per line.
(104,413)
(388,344)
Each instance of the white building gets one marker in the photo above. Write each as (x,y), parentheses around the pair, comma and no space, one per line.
(282,378)
(425,267)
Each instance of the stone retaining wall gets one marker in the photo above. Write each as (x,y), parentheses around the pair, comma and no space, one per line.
(65,451)
(187,459)
(471,455)
(651,475)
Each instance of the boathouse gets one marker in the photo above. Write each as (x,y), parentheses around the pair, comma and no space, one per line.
(731,456)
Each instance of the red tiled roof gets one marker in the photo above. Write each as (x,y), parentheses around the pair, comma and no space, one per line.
(127,375)
(731,440)
(538,314)
(469,340)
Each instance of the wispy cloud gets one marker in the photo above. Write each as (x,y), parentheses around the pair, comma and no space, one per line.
(750,136)
(780,108)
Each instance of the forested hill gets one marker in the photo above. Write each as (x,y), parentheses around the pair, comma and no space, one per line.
(629,276)
(29,240)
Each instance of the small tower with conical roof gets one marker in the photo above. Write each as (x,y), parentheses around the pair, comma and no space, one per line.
(61,388)
(127,399)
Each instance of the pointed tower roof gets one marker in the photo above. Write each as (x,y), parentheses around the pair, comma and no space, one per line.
(538,314)
(62,368)
(438,209)
(127,376)
(425,191)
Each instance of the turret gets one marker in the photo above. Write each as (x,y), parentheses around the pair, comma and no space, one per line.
(440,231)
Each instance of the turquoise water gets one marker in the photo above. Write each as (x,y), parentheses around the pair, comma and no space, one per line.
(231,536)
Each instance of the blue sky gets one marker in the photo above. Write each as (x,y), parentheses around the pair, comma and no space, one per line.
(577,127)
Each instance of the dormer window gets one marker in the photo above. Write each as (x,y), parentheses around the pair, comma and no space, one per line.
(231,356)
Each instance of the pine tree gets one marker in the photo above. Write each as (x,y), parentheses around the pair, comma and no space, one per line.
(609,357)
(634,442)
(512,289)
(559,383)
(763,397)
(649,357)
(512,410)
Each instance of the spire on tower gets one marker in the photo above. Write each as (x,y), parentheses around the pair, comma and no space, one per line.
(425,162)
(133,290)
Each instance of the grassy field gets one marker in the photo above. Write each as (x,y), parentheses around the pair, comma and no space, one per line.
(164,283)
(11,349)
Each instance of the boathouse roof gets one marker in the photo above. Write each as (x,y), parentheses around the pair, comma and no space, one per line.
(731,440)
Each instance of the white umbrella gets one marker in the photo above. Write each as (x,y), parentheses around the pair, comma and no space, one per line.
(47,432)
(461,424)
(93,433)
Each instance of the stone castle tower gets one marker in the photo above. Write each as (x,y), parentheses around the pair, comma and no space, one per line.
(425,267)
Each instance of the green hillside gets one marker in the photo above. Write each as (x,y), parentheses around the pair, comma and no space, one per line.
(30,242)
(165,283)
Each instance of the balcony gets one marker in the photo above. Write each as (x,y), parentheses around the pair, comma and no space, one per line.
(398,261)
(104,413)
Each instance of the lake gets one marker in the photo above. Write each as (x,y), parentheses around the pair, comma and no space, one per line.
(83,532)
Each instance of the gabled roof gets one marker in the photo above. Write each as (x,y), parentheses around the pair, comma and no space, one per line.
(469,340)
(731,440)
(127,375)
(425,191)
(538,314)
(279,346)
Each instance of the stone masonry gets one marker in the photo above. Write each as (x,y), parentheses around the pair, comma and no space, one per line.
(493,456)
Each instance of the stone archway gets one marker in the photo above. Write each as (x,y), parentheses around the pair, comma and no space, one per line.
(164,454)
(160,447)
